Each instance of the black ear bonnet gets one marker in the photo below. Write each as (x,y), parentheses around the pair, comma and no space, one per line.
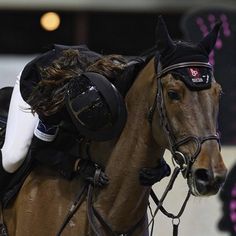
(190,62)
(96,107)
(195,78)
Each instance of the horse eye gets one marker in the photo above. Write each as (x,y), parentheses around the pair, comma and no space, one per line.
(173,95)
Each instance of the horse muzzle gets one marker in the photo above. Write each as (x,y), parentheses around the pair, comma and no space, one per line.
(203,182)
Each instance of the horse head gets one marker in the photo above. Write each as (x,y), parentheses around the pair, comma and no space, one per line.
(187,109)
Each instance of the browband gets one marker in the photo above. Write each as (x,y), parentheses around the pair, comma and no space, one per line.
(182,65)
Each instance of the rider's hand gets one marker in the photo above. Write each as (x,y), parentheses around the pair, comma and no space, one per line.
(53,119)
(87,169)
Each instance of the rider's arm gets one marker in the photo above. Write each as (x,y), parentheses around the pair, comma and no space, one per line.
(19,131)
(62,161)
(48,155)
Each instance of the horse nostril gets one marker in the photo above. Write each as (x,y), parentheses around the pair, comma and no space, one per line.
(203,179)
(203,175)
(205,182)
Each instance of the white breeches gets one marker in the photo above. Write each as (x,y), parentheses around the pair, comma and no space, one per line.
(19,131)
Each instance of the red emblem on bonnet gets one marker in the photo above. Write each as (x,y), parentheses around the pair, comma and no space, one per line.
(194,72)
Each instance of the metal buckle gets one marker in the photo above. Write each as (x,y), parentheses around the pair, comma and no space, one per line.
(178,158)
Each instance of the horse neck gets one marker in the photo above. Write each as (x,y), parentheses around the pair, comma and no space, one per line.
(134,150)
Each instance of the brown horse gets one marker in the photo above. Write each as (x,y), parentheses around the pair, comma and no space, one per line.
(163,113)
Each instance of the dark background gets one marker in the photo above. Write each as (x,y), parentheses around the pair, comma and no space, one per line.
(127,34)
(124,33)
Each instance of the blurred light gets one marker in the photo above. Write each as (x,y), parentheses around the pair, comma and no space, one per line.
(50,21)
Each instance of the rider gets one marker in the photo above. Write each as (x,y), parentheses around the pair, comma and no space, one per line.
(38,107)
(54,88)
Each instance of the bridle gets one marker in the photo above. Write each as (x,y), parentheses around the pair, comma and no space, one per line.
(185,163)
(180,160)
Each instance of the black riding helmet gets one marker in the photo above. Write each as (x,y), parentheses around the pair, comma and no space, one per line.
(96,107)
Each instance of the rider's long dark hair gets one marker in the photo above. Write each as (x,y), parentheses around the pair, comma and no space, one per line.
(48,96)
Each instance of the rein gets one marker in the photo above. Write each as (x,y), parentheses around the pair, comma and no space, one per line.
(92,213)
(74,207)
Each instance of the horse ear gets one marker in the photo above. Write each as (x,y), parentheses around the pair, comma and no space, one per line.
(208,42)
(163,40)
